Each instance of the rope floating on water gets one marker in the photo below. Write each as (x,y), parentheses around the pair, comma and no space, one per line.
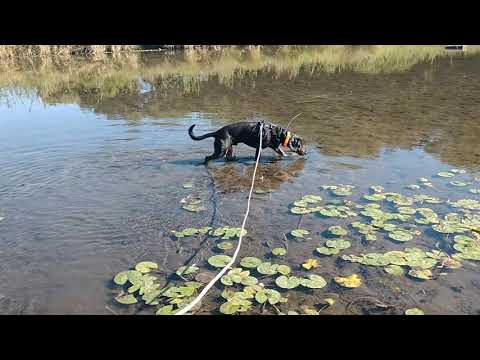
(230,264)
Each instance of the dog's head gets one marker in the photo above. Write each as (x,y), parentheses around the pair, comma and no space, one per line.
(297,145)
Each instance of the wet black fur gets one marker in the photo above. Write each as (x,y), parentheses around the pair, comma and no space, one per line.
(248,133)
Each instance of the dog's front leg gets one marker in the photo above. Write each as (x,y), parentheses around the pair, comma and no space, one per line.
(279,151)
(257,153)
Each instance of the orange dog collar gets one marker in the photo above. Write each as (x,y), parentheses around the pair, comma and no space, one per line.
(287,139)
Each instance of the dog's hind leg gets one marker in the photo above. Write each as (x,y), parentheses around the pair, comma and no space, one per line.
(219,151)
(230,155)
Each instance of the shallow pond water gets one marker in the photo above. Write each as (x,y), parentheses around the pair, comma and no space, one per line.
(91,184)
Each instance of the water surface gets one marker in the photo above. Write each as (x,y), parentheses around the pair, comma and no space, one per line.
(90,184)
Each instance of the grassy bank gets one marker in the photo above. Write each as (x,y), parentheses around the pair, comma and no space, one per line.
(112,71)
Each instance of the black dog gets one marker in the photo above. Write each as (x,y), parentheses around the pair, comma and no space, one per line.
(273,136)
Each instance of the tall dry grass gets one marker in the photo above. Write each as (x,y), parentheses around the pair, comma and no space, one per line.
(63,76)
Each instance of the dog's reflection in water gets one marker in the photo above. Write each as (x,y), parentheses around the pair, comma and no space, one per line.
(234,177)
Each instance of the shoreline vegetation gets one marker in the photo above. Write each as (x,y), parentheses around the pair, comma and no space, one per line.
(56,73)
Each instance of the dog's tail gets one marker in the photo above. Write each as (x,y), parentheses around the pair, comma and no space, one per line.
(198,138)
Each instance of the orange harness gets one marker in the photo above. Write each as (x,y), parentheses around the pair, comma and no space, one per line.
(287,139)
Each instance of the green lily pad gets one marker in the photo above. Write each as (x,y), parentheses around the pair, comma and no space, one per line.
(165,310)
(193,208)
(339,244)
(283,269)
(475,191)
(457,171)
(400,235)
(337,230)
(267,268)
(374,197)
(135,277)
(414,311)
(448,228)
(279,251)
(229,308)
(299,233)
(342,191)
(464,240)
(187,185)
(126,299)
(300,210)
(413,187)
(225,245)
(250,262)
(262,191)
(394,270)
(377,188)
(121,278)
(219,261)
(185,270)
(287,282)
(312,199)
(146,266)
(406,210)
(445,174)
(313,282)
(467,204)
(421,274)
(270,295)
(458,183)
(226,280)
(300,204)
(327,251)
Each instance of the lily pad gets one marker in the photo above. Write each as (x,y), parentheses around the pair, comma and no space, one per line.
(377,188)
(146,266)
(458,183)
(126,299)
(225,245)
(421,274)
(219,261)
(279,251)
(352,281)
(394,270)
(270,295)
(337,230)
(185,270)
(457,171)
(267,268)
(406,210)
(312,198)
(250,262)
(193,208)
(135,277)
(400,235)
(187,185)
(342,191)
(445,174)
(283,269)
(414,311)
(413,187)
(121,278)
(313,282)
(339,244)
(374,197)
(287,282)
(327,251)
(299,233)
(300,210)
(473,191)
(165,310)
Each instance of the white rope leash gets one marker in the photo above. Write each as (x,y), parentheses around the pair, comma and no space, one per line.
(220,274)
